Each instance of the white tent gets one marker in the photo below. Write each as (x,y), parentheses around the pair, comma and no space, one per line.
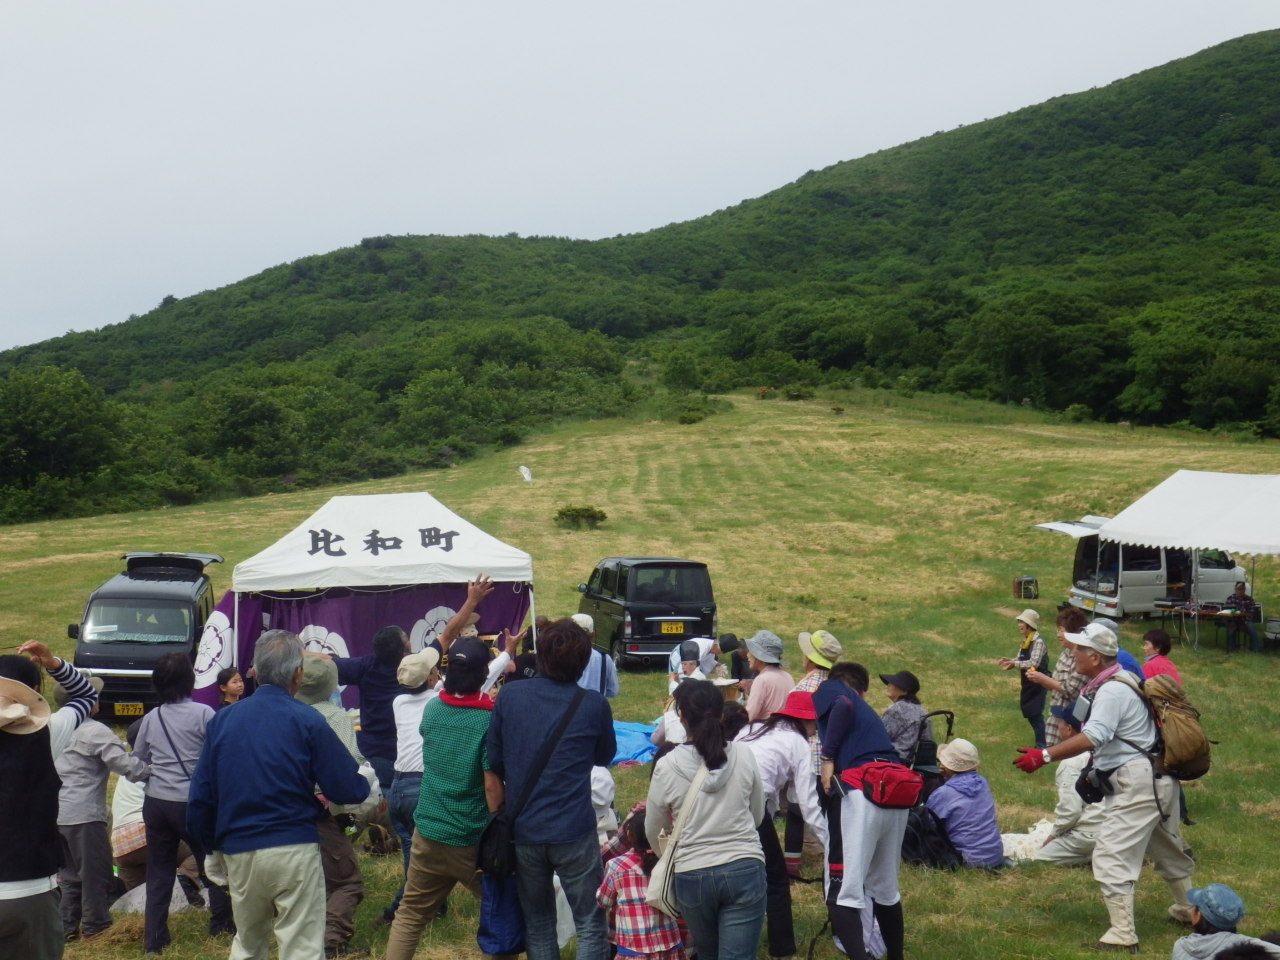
(1195,510)
(380,540)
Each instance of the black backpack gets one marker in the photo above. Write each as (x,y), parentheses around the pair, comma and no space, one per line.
(926,842)
(924,759)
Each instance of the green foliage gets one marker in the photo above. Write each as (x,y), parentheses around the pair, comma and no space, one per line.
(1116,250)
(580,518)
(797,391)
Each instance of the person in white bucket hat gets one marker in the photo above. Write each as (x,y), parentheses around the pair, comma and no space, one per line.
(1032,656)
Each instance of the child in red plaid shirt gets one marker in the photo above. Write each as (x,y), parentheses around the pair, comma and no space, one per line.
(636,928)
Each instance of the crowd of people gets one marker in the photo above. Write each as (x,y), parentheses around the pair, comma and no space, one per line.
(251,807)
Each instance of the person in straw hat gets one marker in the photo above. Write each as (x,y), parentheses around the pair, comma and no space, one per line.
(1033,656)
(966,807)
(31,737)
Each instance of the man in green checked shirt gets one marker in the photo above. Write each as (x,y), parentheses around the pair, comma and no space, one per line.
(458,792)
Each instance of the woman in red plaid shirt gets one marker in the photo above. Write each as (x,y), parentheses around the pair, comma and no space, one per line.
(636,928)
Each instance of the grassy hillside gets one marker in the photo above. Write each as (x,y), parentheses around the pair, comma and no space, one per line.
(897,525)
(1111,253)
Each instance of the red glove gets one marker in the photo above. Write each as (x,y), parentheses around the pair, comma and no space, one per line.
(1032,759)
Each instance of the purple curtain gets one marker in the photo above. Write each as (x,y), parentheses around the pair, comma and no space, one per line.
(342,622)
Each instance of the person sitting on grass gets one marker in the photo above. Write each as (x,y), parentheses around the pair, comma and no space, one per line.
(1216,909)
(966,807)
(903,718)
(1075,823)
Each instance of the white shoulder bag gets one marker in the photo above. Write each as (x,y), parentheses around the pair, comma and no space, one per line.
(661,893)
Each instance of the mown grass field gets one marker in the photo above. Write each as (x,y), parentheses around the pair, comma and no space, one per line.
(897,525)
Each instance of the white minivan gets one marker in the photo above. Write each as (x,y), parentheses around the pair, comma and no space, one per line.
(1119,580)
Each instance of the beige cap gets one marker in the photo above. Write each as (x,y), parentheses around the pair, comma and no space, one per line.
(416,667)
(1030,618)
(959,755)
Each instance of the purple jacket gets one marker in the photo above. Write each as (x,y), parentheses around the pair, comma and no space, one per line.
(965,804)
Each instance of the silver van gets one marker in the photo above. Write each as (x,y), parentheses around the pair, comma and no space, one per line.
(1119,580)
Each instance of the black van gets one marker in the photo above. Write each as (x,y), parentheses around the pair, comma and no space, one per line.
(644,606)
(157,605)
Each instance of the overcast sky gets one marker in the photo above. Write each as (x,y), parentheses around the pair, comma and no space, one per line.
(156,147)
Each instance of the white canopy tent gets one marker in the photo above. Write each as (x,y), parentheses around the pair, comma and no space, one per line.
(1196,510)
(377,540)
(356,565)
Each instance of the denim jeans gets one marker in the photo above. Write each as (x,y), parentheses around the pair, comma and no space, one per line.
(580,870)
(385,770)
(724,907)
(1037,728)
(402,801)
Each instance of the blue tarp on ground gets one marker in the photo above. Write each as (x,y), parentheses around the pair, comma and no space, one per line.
(633,742)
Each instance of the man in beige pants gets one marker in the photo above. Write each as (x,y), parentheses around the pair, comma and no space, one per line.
(253,800)
(1141,814)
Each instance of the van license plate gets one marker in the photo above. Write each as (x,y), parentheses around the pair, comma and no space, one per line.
(673,628)
(1089,603)
(128,709)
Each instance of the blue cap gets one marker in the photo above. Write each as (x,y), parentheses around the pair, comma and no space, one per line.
(1066,713)
(1218,904)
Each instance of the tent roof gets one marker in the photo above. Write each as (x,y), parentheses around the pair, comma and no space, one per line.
(1236,512)
(351,542)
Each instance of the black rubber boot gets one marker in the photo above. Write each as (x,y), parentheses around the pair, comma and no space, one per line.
(846,923)
(892,928)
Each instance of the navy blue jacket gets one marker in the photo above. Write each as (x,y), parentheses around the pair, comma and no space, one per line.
(524,716)
(254,786)
(849,729)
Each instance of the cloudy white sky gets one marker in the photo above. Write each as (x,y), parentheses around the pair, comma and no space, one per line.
(155,147)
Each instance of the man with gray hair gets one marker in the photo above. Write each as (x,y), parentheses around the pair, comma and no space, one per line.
(1140,808)
(253,799)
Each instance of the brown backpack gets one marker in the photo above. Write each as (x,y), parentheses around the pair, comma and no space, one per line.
(1182,747)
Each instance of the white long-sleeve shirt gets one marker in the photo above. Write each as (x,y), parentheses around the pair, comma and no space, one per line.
(782,756)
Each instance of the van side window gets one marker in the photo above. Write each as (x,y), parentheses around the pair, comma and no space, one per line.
(597,578)
(1141,558)
(1215,560)
(621,588)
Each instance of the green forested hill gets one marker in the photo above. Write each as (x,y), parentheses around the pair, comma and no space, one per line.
(1112,253)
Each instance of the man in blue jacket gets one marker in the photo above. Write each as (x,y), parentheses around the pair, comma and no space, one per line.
(555,833)
(253,799)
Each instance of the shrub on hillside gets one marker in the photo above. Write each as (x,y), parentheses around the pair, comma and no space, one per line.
(580,518)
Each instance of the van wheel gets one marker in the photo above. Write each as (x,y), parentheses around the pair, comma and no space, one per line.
(620,659)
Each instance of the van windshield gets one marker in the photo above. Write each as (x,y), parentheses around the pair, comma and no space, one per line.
(670,584)
(146,621)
